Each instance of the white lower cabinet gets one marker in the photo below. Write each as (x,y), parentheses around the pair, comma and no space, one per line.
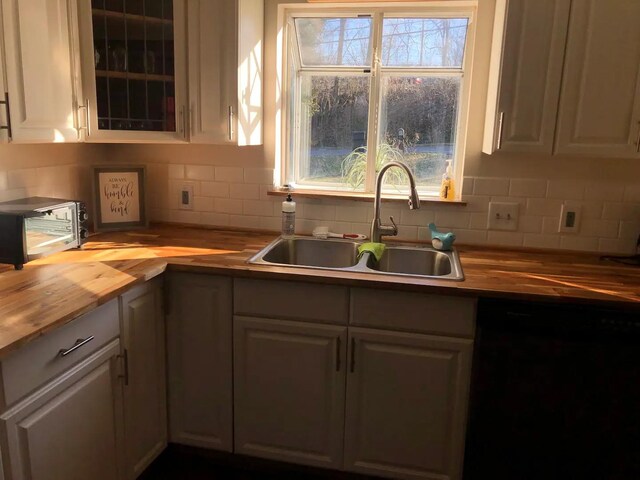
(144,351)
(71,428)
(406,404)
(289,384)
(199,316)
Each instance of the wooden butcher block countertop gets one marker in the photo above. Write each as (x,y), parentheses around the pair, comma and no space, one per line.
(54,290)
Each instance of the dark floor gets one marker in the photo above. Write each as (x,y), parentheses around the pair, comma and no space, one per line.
(182,463)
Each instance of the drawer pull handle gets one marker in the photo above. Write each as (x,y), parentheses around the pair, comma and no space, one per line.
(79,343)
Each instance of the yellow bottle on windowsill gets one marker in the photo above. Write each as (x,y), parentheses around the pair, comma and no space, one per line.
(447,190)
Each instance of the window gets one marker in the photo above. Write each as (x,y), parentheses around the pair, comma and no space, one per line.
(371,86)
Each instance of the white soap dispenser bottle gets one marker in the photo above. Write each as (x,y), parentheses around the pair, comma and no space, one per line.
(288,217)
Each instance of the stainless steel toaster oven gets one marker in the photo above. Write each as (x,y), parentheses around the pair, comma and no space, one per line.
(34,227)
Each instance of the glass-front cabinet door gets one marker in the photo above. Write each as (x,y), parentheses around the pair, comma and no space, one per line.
(134,71)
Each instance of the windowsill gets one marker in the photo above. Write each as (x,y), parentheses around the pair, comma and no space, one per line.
(359,196)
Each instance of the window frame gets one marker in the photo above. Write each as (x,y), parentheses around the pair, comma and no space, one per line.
(285,166)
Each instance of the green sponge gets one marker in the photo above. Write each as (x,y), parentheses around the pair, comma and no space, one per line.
(377,249)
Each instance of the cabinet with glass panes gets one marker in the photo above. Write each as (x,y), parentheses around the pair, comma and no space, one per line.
(133,79)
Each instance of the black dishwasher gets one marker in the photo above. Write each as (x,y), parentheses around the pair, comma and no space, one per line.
(555,393)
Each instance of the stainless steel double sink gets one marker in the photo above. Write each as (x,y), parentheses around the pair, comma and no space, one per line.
(342,255)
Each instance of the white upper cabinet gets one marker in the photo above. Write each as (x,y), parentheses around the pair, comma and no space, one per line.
(528,54)
(133,57)
(40,37)
(225,71)
(600,98)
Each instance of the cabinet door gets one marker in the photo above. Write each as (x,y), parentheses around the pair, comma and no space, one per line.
(407,400)
(289,382)
(225,71)
(133,70)
(145,411)
(199,361)
(71,429)
(40,42)
(212,70)
(532,59)
(600,100)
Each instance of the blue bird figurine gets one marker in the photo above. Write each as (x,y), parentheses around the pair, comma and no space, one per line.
(439,240)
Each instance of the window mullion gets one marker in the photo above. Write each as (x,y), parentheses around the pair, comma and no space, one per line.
(374,105)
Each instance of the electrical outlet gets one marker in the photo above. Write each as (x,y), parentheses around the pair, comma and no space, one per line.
(503,216)
(570,216)
(186,197)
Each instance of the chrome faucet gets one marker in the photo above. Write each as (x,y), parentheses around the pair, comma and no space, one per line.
(378,229)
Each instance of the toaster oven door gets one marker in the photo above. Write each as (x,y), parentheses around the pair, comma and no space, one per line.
(51,231)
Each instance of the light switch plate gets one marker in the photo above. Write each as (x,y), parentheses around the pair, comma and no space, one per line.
(186,197)
(570,216)
(503,216)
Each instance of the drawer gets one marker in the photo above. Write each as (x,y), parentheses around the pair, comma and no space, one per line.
(41,360)
(291,301)
(413,312)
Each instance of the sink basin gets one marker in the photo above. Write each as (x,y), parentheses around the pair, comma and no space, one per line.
(413,261)
(333,254)
(309,252)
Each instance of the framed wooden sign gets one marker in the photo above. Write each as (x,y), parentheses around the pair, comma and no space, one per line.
(119,194)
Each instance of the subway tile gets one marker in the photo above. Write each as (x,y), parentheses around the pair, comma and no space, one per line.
(467,185)
(3,180)
(490,186)
(203,204)
(528,187)
(534,240)
(479,221)
(229,174)
(319,212)
(184,216)
(13,194)
(577,243)
(361,228)
(566,189)
(406,232)
(351,213)
(176,171)
(244,221)
(453,219)
(272,224)
(227,205)
(590,227)
(246,191)
(215,219)
(158,215)
(199,172)
(621,211)
(264,192)
(476,203)
(629,229)
(258,175)
(619,246)
(471,237)
(550,225)
(386,211)
(590,208)
(420,218)
(543,206)
(530,224)
(611,192)
(214,189)
(522,201)
(512,239)
(257,207)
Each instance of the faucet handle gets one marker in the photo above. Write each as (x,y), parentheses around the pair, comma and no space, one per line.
(395,227)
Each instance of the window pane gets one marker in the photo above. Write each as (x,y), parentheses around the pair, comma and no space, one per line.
(418,126)
(333,123)
(334,41)
(423,42)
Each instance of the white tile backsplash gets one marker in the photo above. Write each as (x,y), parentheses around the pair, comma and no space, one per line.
(238,197)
